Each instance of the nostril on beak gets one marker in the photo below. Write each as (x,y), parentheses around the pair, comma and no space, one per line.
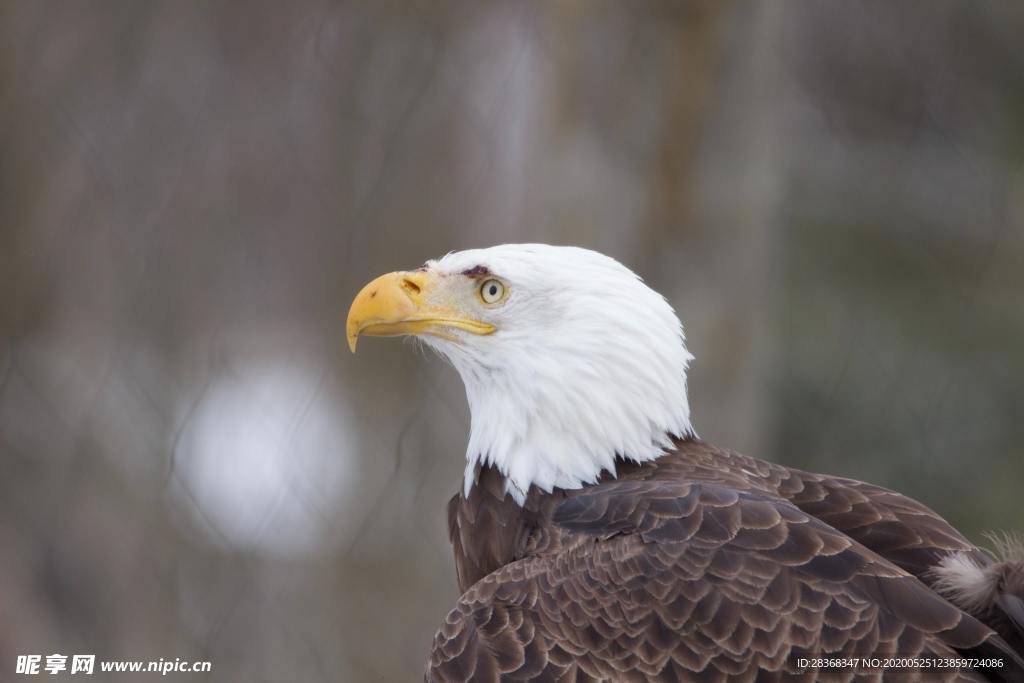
(409,286)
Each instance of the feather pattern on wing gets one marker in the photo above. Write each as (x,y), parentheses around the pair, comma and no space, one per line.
(701,564)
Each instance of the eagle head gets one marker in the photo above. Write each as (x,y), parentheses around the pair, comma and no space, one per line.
(569,360)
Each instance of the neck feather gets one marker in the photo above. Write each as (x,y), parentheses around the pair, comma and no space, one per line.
(559,417)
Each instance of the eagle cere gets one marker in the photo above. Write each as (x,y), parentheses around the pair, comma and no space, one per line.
(596,537)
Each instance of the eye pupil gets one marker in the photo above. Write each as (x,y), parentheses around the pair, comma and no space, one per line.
(494,290)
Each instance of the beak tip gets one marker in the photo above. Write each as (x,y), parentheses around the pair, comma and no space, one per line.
(352,339)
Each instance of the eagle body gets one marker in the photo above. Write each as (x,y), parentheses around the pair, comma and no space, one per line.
(597,538)
(703,564)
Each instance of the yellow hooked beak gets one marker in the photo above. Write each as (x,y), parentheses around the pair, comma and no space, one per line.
(411,302)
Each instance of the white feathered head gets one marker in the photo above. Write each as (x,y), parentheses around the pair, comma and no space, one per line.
(568,358)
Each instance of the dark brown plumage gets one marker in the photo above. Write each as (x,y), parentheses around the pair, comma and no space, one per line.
(700,564)
(703,565)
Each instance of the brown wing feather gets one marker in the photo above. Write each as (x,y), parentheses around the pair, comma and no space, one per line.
(670,580)
(900,529)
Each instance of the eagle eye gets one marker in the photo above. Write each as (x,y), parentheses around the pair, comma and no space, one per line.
(491,291)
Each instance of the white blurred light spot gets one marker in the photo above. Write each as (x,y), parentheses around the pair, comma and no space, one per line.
(265,460)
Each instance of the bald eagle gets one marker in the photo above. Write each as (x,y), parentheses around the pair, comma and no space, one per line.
(597,538)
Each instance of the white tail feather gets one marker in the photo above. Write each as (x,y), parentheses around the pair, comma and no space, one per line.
(966,583)
(976,588)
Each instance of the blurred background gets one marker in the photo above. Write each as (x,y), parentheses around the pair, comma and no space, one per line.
(192,465)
